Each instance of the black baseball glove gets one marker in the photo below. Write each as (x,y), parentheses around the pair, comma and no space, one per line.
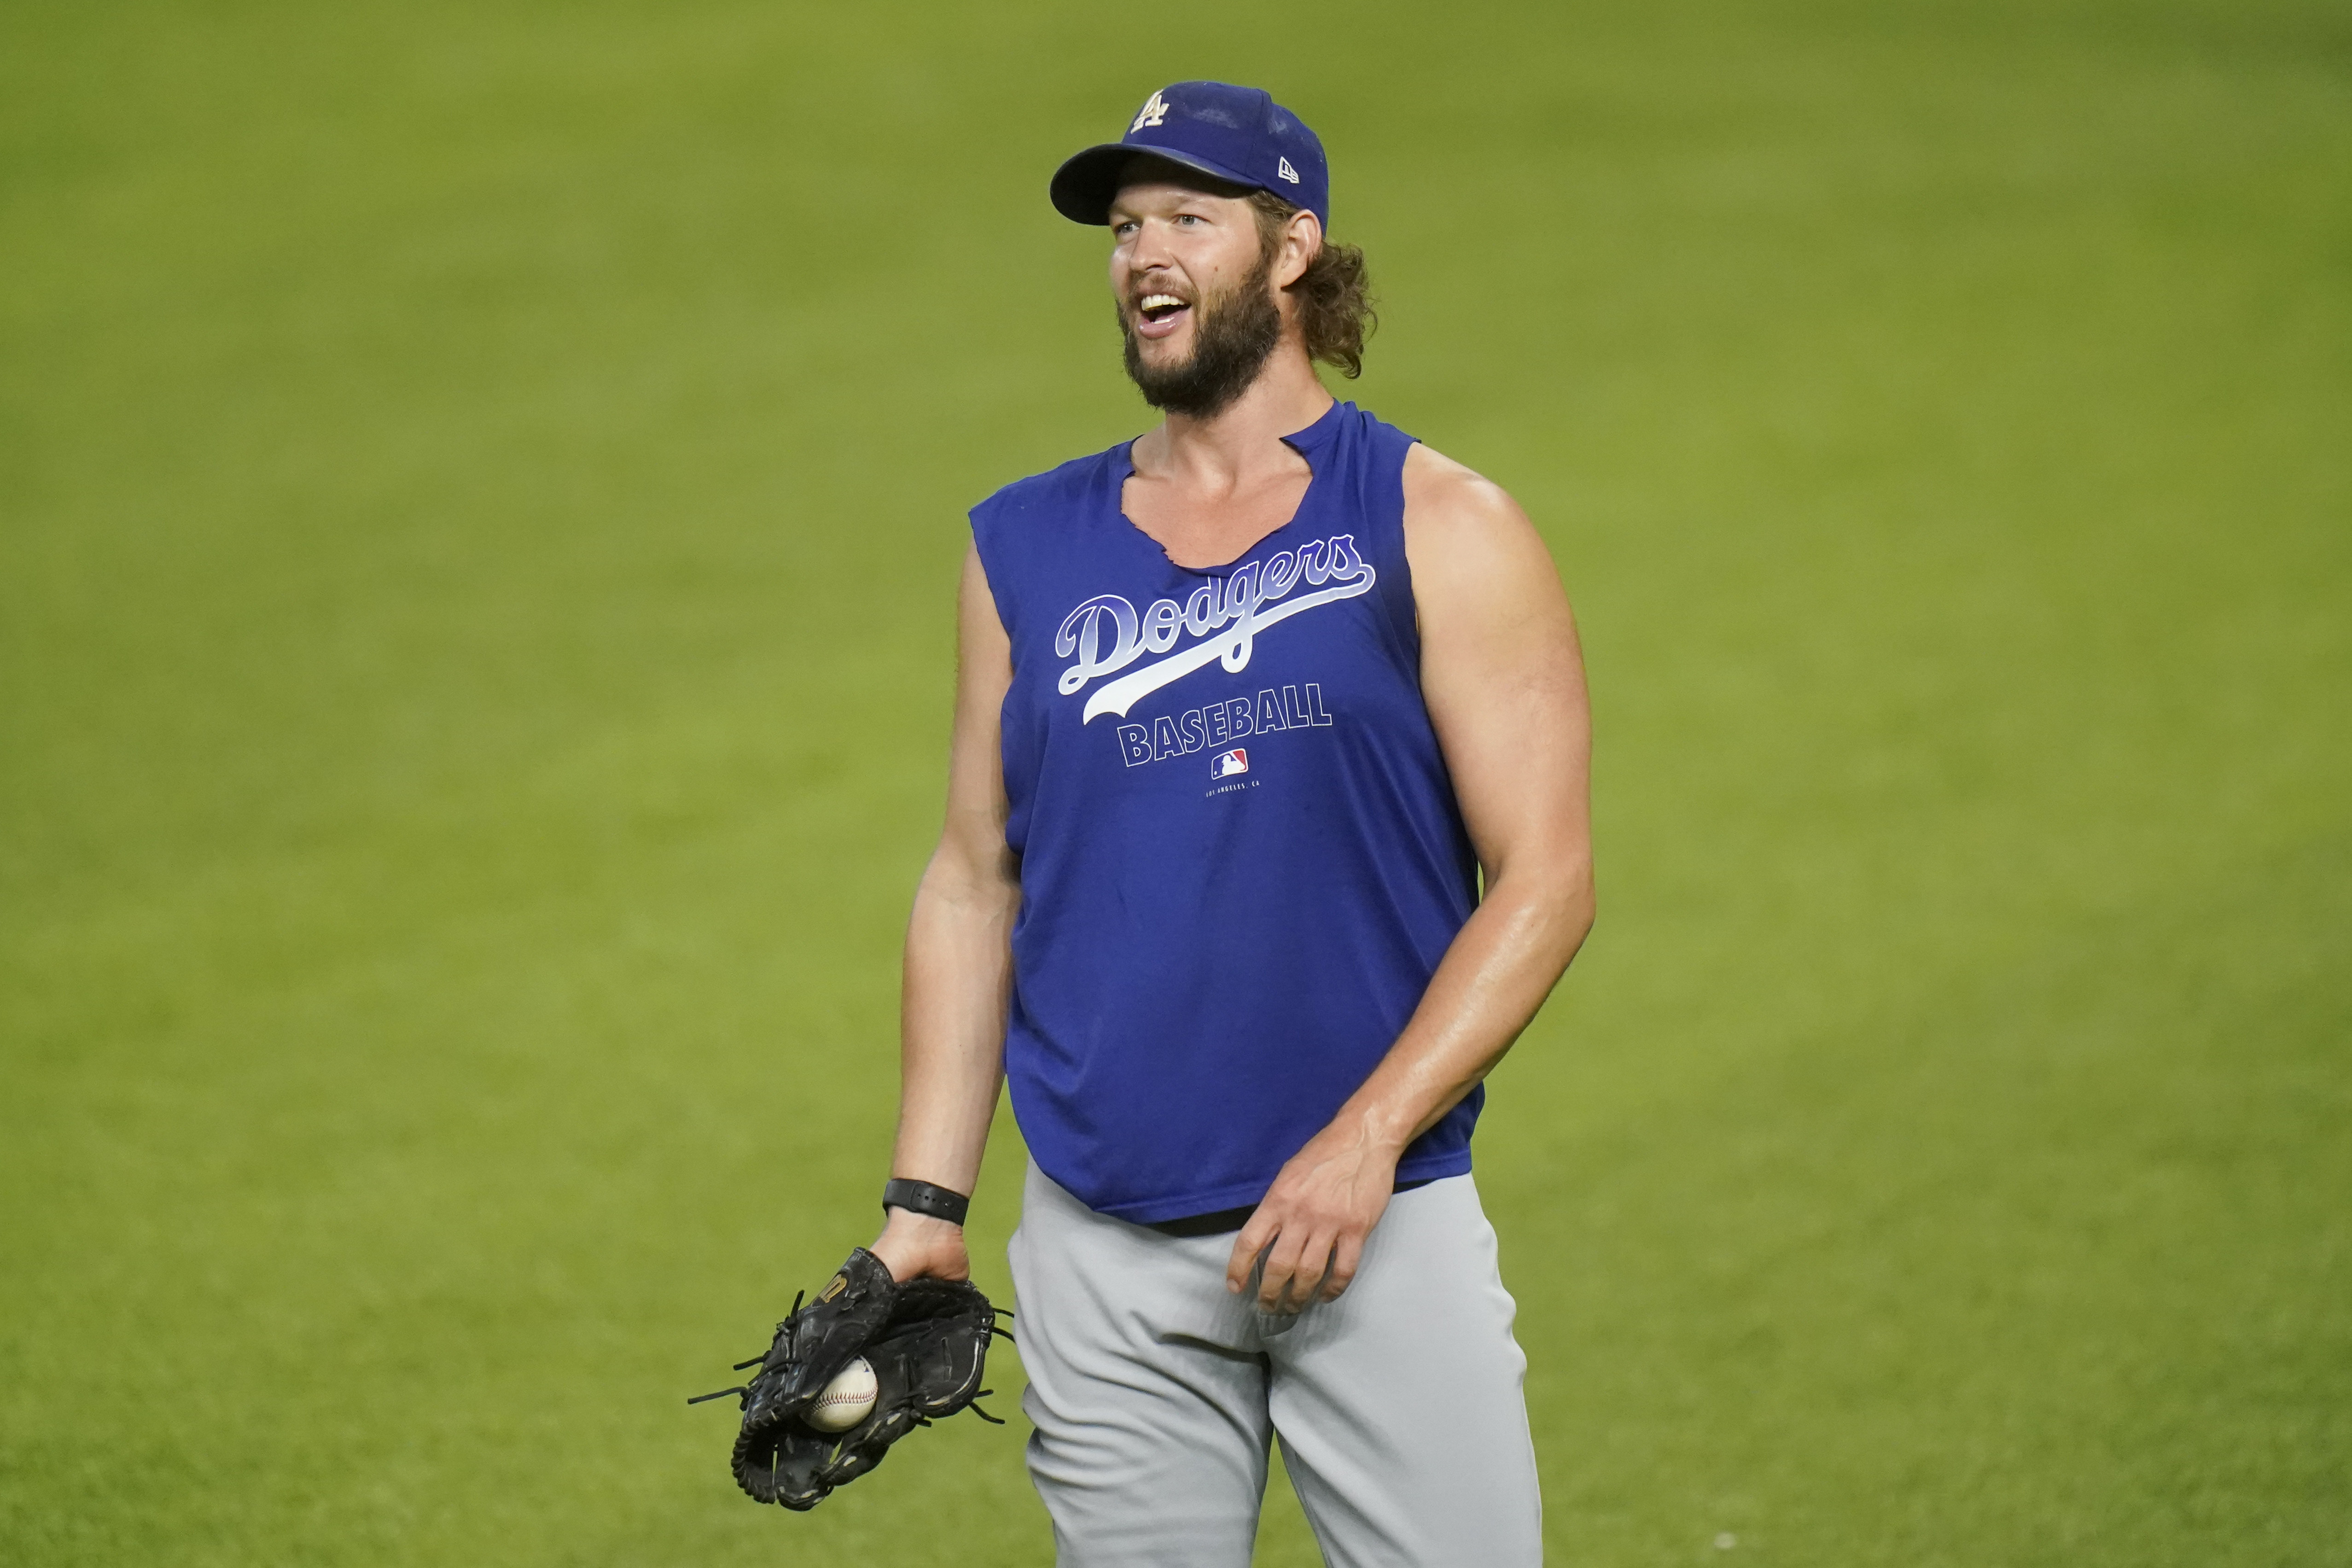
(927,1341)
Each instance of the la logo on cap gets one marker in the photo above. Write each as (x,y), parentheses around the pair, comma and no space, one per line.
(1154,110)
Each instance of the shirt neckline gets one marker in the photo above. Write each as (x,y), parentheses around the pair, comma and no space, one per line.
(1309,442)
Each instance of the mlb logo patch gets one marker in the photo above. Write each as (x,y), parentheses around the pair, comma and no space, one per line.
(1228,763)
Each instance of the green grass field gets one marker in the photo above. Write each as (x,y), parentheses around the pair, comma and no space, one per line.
(480,493)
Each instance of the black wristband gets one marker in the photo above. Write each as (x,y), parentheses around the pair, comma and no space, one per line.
(922,1197)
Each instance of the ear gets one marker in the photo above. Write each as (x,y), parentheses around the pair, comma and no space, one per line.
(1302,241)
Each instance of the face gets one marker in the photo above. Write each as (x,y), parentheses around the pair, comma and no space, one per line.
(1195,291)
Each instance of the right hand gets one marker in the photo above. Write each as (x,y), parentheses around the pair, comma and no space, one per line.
(917,1247)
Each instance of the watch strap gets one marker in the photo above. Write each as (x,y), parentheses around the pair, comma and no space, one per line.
(924,1198)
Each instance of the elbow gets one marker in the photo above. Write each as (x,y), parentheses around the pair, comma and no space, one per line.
(1555,902)
(1578,907)
(964,876)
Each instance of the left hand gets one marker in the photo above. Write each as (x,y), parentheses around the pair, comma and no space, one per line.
(917,1247)
(1313,1222)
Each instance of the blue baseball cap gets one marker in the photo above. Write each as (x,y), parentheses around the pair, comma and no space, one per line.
(1237,133)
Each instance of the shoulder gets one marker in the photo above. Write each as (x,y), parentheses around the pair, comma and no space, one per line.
(1021,536)
(1055,488)
(1456,519)
(1493,613)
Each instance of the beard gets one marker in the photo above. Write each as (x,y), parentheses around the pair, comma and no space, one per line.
(1232,337)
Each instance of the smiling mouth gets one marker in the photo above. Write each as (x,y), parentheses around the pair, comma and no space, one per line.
(1157,315)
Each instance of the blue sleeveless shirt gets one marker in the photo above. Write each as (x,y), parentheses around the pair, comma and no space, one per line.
(1240,856)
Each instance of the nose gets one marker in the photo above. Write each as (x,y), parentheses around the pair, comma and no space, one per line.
(1148,251)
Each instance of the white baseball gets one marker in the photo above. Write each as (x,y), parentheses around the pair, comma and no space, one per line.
(847,1400)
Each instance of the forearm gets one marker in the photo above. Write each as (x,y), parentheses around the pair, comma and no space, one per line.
(958,972)
(1308,1233)
(1502,964)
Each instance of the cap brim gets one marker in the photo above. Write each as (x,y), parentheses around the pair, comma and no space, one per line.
(1085,183)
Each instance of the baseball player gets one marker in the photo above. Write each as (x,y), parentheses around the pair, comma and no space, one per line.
(1266,834)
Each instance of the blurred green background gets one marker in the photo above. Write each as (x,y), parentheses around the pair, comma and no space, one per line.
(480,493)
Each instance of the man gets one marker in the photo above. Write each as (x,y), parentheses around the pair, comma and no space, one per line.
(1246,708)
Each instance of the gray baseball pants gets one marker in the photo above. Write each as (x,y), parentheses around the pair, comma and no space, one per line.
(1155,1394)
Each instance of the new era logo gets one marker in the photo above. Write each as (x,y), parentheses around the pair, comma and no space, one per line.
(1281,167)
(1228,763)
(1154,110)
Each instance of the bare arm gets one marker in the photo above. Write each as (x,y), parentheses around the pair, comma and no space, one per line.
(1504,680)
(958,957)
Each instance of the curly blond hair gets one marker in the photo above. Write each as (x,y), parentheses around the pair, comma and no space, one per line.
(1334,295)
